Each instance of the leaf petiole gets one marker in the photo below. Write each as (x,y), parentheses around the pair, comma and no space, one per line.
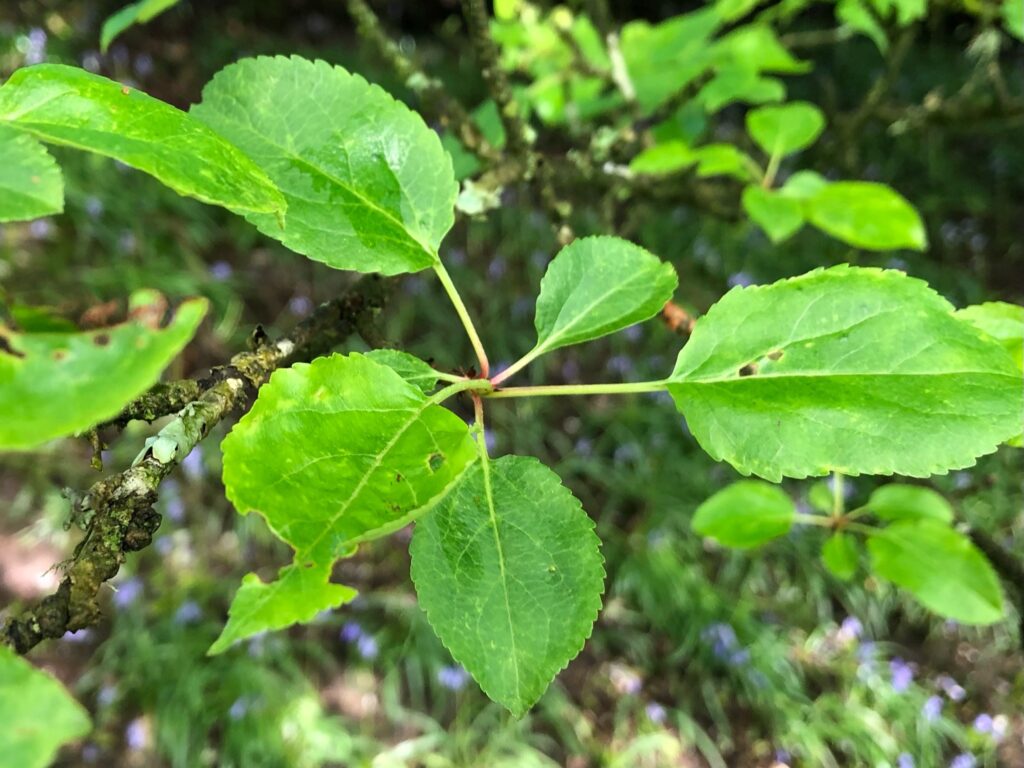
(463,313)
(577,389)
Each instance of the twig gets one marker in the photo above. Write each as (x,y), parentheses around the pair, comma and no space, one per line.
(119,509)
(516,130)
(435,97)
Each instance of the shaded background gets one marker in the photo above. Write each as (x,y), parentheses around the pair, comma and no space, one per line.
(701,656)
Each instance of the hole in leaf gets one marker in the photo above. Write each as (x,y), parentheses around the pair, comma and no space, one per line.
(776,355)
(434,461)
(749,369)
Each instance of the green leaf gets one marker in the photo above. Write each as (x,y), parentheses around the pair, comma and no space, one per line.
(897,501)
(867,215)
(669,157)
(129,16)
(803,185)
(779,216)
(821,497)
(31,184)
(739,84)
(340,451)
(509,571)
(65,105)
(38,715)
(723,160)
(300,592)
(841,555)
(409,367)
(596,286)
(941,568)
(855,14)
(56,383)
(1003,322)
(662,58)
(783,129)
(859,371)
(1013,19)
(746,514)
(368,184)
(757,47)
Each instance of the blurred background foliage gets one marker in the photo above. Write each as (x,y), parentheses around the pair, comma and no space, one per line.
(702,657)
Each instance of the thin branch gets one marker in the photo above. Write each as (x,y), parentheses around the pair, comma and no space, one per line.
(1009,568)
(119,509)
(516,130)
(430,90)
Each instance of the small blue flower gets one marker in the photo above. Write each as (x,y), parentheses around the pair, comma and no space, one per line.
(367,647)
(127,592)
(851,628)
(90,753)
(964,760)
(143,65)
(107,695)
(220,270)
(91,61)
(740,279)
(655,712)
(136,735)
(41,229)
(188,613)
(983,723)
(93,207)
(78,636)
(932,708)
(192,465)
(902,674)
(904,761)
(453,677)
(300,306)
(239,708)
(496,269)
(351,632)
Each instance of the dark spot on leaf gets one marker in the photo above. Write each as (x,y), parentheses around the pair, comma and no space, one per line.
(307,565)
(5,346)
(776,355)
(59,354)
(126,90)
(101,339)
(398,477)
(749,369)
(434,461)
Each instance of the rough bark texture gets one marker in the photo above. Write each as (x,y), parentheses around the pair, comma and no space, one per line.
(118,512)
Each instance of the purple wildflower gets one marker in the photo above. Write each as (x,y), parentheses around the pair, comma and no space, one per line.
(932,708)
(453,677)
(570,370)
(143,65)
(367,647)
(964,760)
(107,695)
(851,629)
(188,613)
(740,279)
(905,761)
(77,636)
(620,364)
(220,270)
(655,712)
(983,723)
(127,242)
(783,756)
(91,62)
(496,269)
(902,674)
(239,708)
(93,207)
(300,306)
(41,229)
(136,735)
(127,592)
(34,46)
(192,465)
(634,332)
(951,688)
(351,632)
